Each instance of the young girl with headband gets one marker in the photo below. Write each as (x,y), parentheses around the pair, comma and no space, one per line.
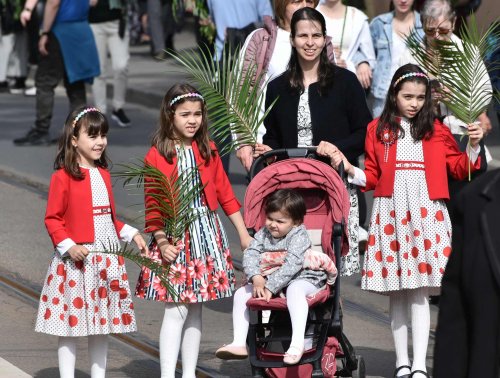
(85,294)
(201,263)
(407,157)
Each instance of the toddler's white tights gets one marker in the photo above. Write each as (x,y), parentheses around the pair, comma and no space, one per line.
(297,306)
(180,330)
(98,352)
(418,300)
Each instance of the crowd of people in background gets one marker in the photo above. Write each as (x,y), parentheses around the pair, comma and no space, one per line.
(321,61)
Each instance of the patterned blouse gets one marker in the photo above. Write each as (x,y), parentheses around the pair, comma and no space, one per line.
(296,242)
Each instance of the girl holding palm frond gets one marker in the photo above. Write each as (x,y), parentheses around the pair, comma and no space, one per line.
(199,259)
(407,156)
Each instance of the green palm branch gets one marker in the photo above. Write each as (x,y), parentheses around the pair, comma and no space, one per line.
(172,196)
(162,271)
(459,68)
(233,96)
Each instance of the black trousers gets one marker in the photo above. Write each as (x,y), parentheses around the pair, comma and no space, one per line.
(50,72)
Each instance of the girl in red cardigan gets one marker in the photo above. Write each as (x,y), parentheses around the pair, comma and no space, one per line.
(407,157)
(85,294)
(201,265)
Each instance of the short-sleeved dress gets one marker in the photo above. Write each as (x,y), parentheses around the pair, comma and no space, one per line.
(203,270)
(89,297)
(410,235)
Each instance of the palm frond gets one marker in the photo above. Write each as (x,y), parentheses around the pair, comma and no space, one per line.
(160,270)
(460,68)
(172,197)
(234,98)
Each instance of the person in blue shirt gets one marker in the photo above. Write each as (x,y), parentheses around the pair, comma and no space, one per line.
(67,53)
(237,14)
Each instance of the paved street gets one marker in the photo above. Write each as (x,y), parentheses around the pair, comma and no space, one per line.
(25,247)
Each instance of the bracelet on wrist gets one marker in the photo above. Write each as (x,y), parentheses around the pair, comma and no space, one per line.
(42,33)
(28,9)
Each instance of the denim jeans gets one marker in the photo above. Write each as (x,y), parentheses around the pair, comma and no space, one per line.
(50,72)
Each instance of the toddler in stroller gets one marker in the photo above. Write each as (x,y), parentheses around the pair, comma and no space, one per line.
(280,257)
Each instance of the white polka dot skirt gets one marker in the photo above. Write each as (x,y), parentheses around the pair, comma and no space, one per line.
(410,235)
(89,297)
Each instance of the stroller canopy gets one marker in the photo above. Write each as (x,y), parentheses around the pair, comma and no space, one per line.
(327,202)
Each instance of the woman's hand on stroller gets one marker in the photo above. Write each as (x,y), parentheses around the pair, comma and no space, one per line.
(259,149)
(337,158)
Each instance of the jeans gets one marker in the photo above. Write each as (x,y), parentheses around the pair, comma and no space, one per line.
(50,72)
(107,40)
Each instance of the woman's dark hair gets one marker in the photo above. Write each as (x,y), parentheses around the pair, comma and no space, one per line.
(423,122)
(325,68)
(287,201)
(94,123)
(164,138)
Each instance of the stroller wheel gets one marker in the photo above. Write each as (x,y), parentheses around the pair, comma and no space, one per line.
(360,372)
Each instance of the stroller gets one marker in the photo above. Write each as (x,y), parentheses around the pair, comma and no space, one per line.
(327,203)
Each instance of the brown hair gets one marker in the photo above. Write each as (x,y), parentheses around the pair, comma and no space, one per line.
(94,123)
(164,137)
(280,10)
(287,201)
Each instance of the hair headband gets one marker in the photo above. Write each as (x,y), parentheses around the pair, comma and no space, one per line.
(80,115)
(410,74)
(180,97)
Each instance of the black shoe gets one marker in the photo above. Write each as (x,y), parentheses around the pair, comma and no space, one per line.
(33,138)
(421,372)
(120,118)
(4,86)
(19,86)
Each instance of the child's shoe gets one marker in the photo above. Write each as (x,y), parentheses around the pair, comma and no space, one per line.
(293,355)
(232,352)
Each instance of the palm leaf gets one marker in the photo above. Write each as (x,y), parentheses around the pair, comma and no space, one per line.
(159,269)
(233,97)
(460,68)
(172,197)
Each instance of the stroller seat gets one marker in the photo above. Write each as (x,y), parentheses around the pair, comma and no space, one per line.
(279,303)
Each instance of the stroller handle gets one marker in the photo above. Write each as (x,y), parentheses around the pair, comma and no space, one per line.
(288,153)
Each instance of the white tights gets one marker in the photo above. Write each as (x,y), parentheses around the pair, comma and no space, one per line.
(296,294)
(98,352)
(418,301)
(180,330)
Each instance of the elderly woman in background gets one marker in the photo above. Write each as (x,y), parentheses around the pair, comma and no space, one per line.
(438,20)
(318,104)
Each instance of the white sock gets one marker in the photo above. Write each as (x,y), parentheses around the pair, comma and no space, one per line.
(98,354)
(179,325)
(398,311)
(191,337)
(66,353)
(418,300)
(296,302)
(241,315)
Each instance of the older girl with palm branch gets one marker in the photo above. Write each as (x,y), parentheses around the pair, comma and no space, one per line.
(199,260)
(407,157)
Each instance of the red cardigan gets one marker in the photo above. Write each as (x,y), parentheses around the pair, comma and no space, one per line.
(441,155)
(217,186)
(69,208)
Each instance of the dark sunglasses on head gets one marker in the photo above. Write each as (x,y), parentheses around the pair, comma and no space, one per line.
(431,32)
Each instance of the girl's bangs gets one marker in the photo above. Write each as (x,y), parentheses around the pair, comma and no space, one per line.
(96,124)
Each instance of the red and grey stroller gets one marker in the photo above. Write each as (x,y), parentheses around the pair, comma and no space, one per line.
(327,204)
